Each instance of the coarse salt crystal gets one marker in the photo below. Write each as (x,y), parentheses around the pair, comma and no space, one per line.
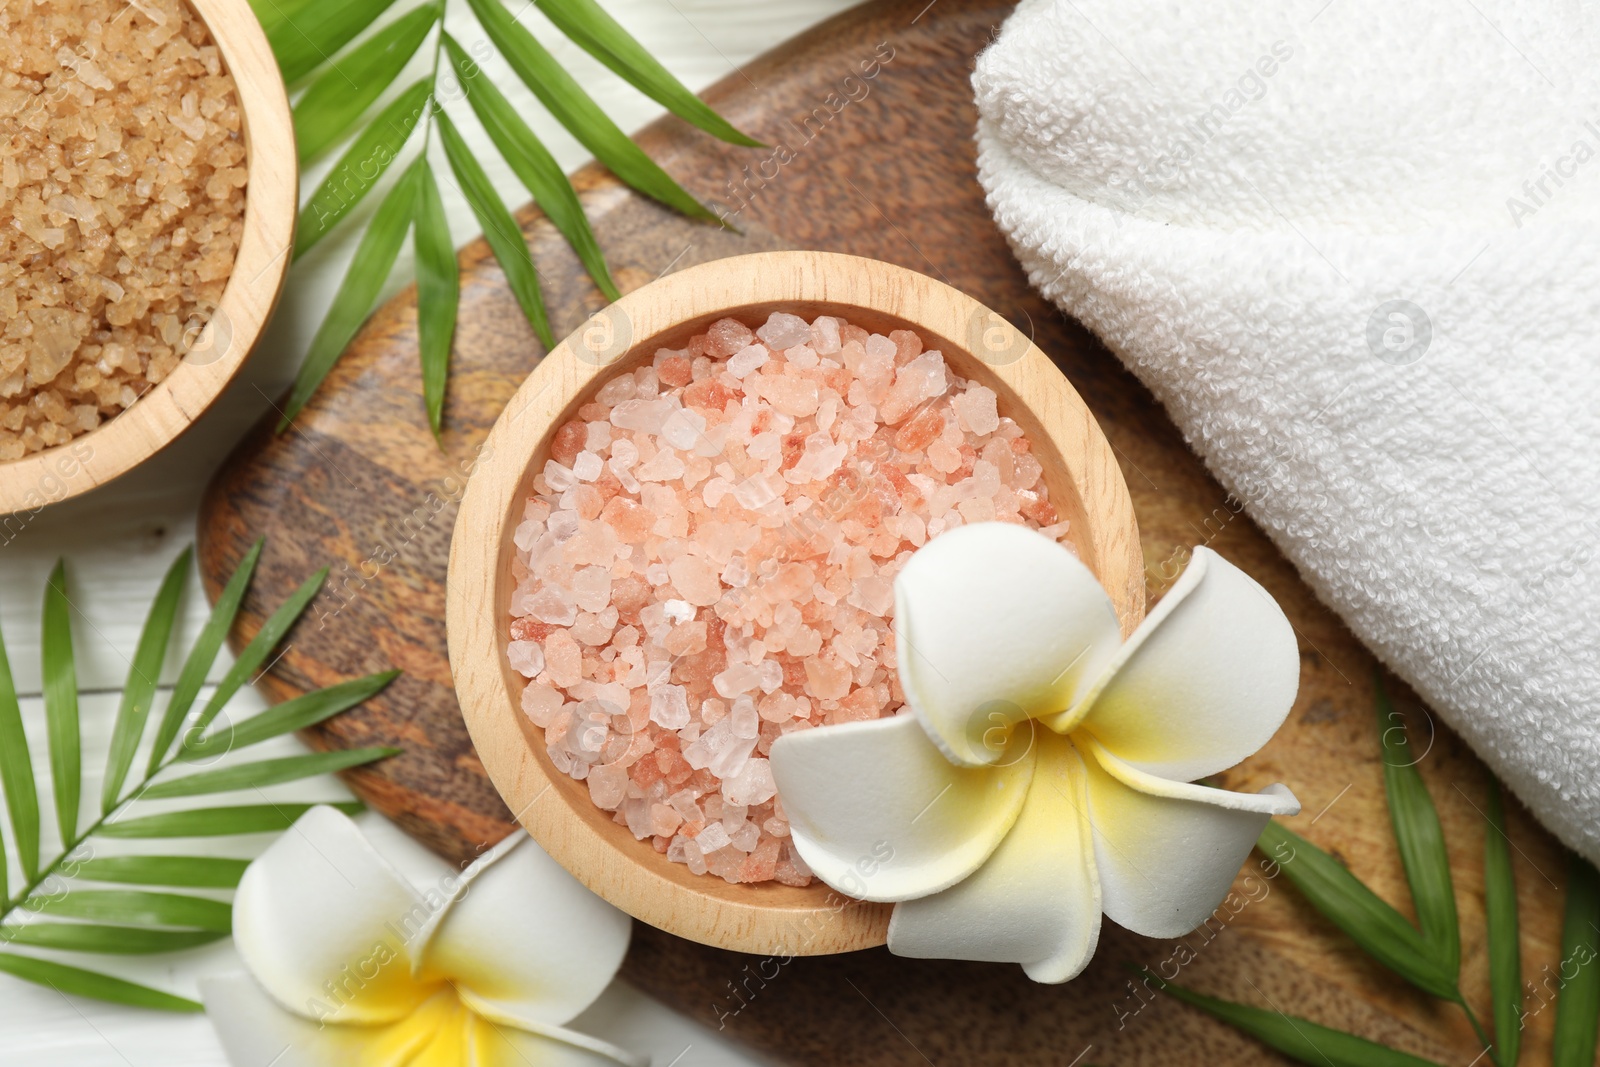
(783,330)
(558,476)
(669,707)
(712,838)
(526,657)
(743,362)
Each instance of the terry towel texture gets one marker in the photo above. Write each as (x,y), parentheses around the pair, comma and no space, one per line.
(1354,248)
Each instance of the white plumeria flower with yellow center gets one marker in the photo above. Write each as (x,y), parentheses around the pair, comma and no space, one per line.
(1041,774)
(351,966)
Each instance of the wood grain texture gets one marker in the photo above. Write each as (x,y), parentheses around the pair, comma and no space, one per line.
(165,411)
(880,167)
(1085,485)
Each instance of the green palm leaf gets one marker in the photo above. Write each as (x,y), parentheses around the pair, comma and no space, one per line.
(107,939)
(1578,1006)
(138,693)
(16,776)
(358,171)
(202,655)
(499,228)
(374,258)
(218,822)
(61,703)
(260,647)
(561,95)
(1346,902)
(597,33)
(135,921)
(1299,1039)
(76,980)
(534,166)
(336,99)
(139,907)
(297,714)
(1417,832)
(306,35)
(438,290)
(265,773)
(1500,913)
(191,872)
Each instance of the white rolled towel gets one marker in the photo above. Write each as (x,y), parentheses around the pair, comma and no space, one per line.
(1353,247)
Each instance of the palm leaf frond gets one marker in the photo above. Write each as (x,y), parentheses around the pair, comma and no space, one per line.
(311,37)
(86,900)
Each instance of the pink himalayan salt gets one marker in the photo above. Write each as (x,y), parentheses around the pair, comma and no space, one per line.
(707,563)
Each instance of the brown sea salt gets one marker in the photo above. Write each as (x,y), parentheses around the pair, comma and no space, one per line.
(707,559)
(122,174)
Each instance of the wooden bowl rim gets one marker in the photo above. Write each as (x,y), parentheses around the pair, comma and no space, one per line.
(605,857)
(166,410)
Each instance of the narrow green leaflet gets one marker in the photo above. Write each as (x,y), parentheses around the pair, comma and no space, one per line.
(338,97)
(374,258)
(112,940)
(256,652)
(61,703)
(1420,838)
(135,904)
(76,980)
(266,772)
(297,714)
(202,655)
(438,290)
(533,165)
(597,33)
(1340,896)
(575,110)
(1299,1039)
(191,872)
(499,228)
(1504,940)
(138,907)
(1572,1044)
(16,776)
(218,822)
(306,36)
(139,691)
(358,170)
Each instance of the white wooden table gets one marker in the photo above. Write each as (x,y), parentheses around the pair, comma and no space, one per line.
(119,541)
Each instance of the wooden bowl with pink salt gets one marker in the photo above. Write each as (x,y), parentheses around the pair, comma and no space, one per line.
(147,209)
(679,544)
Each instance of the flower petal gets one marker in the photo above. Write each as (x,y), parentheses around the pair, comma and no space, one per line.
(498,1044)
(1036,901)
(1205,680)
(256,1031)
(995,623)
(319,921)
(521,938)
(1167,852)
(879,814)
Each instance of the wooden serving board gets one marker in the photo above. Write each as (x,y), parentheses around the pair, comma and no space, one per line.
(878,166)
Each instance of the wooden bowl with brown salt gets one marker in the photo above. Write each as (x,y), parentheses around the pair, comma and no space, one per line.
(206,351)
(1084,482)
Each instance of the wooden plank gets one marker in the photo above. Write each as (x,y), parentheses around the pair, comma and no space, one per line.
(880,166)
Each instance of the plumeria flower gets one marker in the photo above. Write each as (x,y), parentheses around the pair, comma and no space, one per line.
(1040,776)
(351,966)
